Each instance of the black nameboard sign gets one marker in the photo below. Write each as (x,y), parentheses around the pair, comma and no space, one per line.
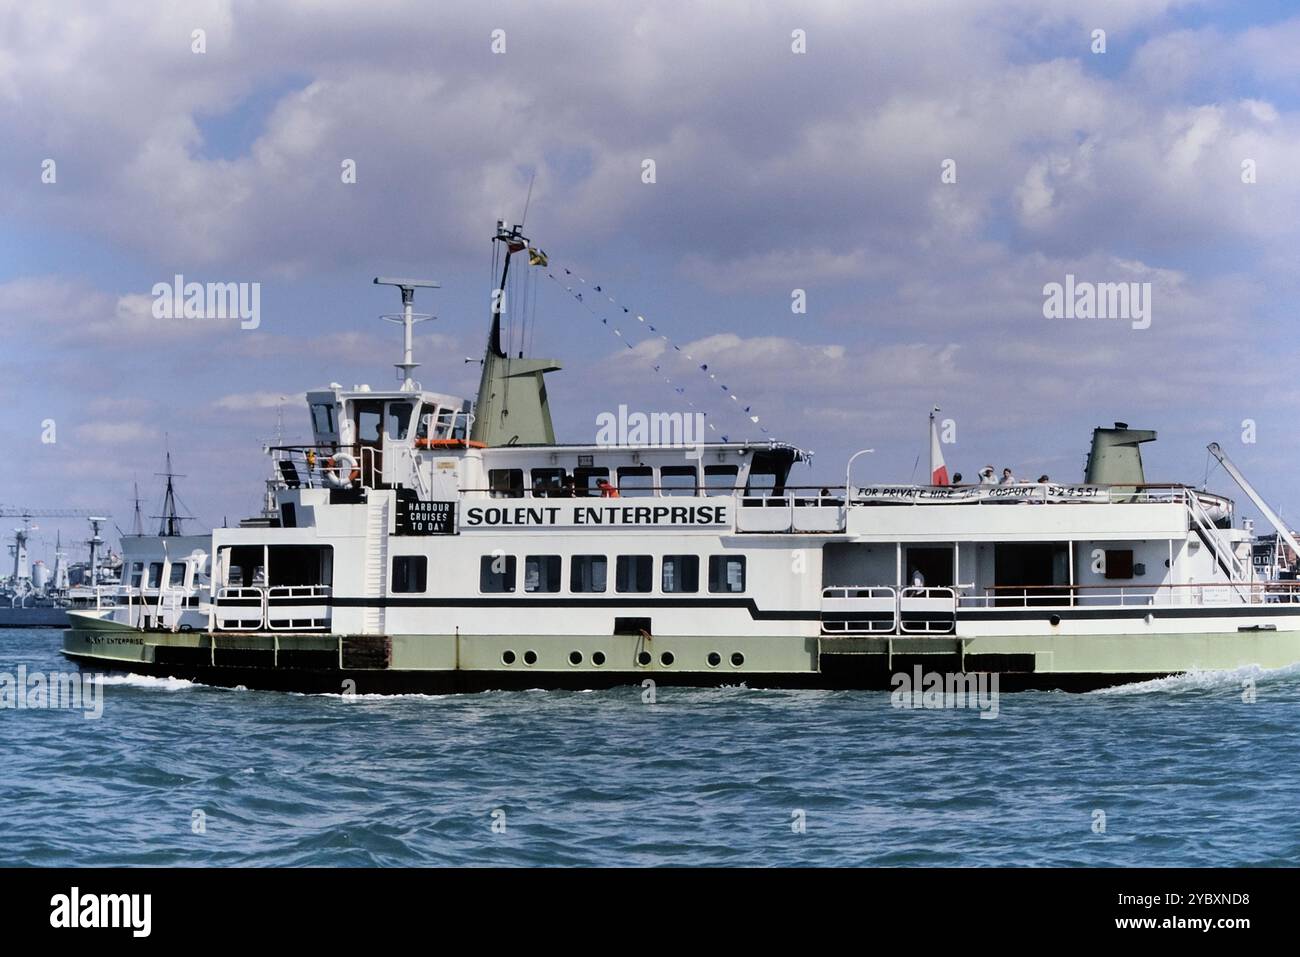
(415,517)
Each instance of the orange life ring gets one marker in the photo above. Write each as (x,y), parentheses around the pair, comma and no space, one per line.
(330,466)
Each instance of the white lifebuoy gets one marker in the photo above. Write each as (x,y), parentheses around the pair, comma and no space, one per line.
(341,470)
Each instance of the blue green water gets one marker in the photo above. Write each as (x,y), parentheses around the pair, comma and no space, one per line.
(1184,771)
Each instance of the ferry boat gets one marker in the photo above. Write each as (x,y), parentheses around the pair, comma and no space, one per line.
(426,543)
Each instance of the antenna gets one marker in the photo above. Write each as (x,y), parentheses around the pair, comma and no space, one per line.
(408,319)
(528,201)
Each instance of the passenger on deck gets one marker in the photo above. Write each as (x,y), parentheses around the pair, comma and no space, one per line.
(986,476)
(1043,480)
(918,580)
(606,490)
(956,478)
(1007,478)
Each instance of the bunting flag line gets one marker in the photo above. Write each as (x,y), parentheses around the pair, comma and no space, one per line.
(580,296)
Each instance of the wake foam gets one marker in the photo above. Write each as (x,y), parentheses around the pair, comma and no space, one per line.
(1203,681)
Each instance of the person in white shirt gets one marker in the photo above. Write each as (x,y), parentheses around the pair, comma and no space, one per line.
(986,476)
(1007,478)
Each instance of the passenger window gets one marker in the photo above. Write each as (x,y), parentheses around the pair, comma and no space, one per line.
(496,574)
(548,482)
(587,573)
(636,481)
(681,573)
(410,574)
(542,573)
(720,479)
(726,573)
(678,480)
(586,480)
(506,482)
(634,573)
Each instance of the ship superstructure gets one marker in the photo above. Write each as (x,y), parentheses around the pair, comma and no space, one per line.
(423,542)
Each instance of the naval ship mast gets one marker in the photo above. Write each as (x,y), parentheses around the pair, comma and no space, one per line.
(170,519)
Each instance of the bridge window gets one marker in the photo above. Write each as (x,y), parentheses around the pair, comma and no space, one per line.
(369,420)
(155,574)
(678,480)
(322,419)
(542,573)
(726,573)
(634,573)
(137,574)
(496,574)
(177,577)
(587,573)
(681,573)
(410,574)
(399,419)
(635,481)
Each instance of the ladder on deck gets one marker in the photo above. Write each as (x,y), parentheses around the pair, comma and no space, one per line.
(376,584)
(1225,555)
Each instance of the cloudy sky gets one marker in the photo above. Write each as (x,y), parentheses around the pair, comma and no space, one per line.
(1171,158)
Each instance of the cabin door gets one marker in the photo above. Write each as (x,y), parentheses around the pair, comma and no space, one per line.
(369,448)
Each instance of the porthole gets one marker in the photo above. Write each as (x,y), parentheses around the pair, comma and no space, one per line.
(643,658)
(575,657)
(737,658)
(667,658)
(598,658)
(508,657)
(530,657)
(715,659)
(1054,620)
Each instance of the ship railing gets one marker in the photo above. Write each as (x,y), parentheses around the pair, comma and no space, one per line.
(240,608)
(298,607)
(299,466)
(927,610)
(1028,492)
(851,610)
(1191,594)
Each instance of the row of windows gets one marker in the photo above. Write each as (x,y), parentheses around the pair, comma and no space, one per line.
(588,574)
(630,481)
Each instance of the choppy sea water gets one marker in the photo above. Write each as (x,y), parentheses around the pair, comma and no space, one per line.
(1184,771)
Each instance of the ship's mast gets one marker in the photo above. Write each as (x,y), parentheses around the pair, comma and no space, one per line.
(170,518)
(137,521)
(512,406)
(408,319)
